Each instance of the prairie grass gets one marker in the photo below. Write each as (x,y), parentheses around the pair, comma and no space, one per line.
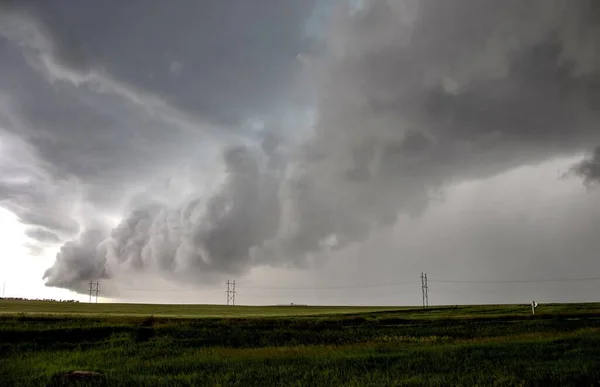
(475,345)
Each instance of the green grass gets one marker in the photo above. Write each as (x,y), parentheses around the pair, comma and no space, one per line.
(472,345)
(11,307)
(194,311)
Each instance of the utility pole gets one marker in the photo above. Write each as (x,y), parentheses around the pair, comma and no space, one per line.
(97,290)
(426,293)
(227,292)
(424,290)
(231,292)
(234,293)
(3,289)
(91,287)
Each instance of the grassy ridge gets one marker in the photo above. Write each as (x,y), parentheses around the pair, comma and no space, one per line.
(475,345)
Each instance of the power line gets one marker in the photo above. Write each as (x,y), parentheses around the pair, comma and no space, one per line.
(366,286)
(329,287)
(160,290)
(518,281)
(282,288)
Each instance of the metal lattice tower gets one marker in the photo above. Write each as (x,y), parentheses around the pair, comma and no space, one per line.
(231,292)
(424,290)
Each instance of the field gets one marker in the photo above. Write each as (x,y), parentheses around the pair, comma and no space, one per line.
(179,311)
(196,345)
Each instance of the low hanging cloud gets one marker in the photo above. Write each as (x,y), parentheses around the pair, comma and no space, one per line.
(589,168)
(197,240)
(410,96)
(79,260)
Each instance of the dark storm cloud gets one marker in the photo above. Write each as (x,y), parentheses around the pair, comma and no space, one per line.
(411,95)
(222,60)
(65,145)
(98,138)
(111,108)
(417,94)
(198,239)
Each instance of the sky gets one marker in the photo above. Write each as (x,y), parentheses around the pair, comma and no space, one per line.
(317,152)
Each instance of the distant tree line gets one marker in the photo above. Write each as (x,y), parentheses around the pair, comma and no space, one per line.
(35,299)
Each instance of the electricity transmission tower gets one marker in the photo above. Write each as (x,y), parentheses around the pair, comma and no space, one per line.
(94,290)
(424,290)
(231,292)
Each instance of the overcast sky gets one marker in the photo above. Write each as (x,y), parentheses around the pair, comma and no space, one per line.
(317,152)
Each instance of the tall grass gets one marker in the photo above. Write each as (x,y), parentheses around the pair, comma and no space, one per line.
(406,347)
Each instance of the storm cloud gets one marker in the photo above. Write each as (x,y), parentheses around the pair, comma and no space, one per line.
(198,239)
(589,168)
(409,97)
(416,95)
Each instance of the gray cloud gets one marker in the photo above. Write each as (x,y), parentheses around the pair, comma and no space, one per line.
(234,58)
(97,125)
(43,235)
(589,168)
(197,240)
(33,194)
(524,224)
(410,96)
(239,65)
(77,260)
(419,94)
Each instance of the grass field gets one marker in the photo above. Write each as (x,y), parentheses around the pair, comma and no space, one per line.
(162,310)
(299,346)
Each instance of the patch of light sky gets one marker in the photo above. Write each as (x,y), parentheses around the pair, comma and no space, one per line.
(21,272)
